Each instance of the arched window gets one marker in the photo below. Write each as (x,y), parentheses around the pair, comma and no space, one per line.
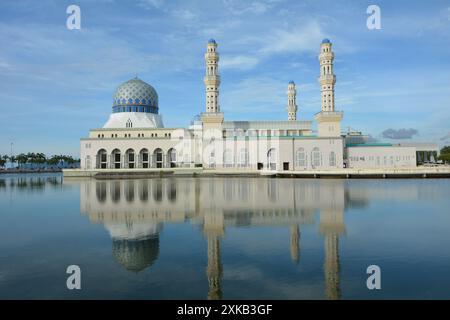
(300,158)
(316,157)
(144,159)
(88,162)
(116,159)
(243,157)
(228,158)
(158,158)
(102,159)
(332,159)
(212,159)
(130,159)
(129,124)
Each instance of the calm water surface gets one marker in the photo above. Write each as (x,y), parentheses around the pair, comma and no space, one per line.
(223,238)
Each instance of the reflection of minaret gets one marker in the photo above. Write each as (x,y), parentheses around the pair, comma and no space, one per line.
(331,267)
(213,229)
(295,248)
(331,226)
(214,268)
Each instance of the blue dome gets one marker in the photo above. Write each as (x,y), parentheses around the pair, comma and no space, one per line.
(291,82)
(212,41)
(135,95)
(326,40)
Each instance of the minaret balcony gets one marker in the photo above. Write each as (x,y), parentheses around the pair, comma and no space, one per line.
(211,80)
(327,79)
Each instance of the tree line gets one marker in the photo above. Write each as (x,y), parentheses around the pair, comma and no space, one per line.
(37,158)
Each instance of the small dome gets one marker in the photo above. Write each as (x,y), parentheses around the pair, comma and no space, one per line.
(212,41)
(326,40)
(135,95)
(291,82)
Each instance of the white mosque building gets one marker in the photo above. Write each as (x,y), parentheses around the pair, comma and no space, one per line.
(134,136)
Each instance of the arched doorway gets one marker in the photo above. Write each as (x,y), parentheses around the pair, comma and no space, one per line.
(158,158)
(272,159)
(172,156)
(102,159)
(116,159)
(144,158)
(130,159)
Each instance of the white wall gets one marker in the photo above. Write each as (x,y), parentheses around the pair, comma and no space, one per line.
(381,157)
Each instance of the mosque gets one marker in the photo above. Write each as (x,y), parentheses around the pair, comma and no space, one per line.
(134,136)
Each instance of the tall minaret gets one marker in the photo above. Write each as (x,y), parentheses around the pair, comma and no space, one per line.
(212,78)
(328,120)
(327,78)
(292,105)
(212,118)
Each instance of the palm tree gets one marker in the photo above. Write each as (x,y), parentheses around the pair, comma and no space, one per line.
(40,158)
(22,158)
(2,161)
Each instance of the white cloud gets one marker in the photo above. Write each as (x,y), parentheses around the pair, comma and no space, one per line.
(299,39)
(239,7)
(151,4)
(183,14)
(238,62)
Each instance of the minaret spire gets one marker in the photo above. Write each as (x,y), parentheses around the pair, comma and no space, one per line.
(212,78)
(292,103)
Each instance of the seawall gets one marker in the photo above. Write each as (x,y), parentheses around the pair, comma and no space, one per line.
(419,172)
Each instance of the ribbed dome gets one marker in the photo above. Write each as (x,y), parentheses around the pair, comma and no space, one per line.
(135,95)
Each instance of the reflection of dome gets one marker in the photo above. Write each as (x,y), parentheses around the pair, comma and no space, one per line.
(135,95)
(136,255)
(135,245)
(133,231)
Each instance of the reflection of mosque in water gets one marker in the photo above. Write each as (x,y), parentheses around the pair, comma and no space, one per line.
(133,211)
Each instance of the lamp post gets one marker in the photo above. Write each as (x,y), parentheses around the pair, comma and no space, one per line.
(11,155)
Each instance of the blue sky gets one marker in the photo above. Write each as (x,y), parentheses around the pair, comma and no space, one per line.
(56,84)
